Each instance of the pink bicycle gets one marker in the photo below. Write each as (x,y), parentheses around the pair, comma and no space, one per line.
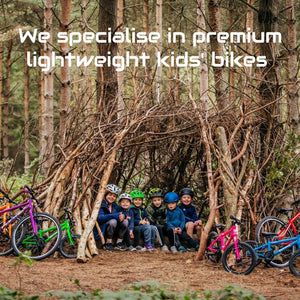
(237,258)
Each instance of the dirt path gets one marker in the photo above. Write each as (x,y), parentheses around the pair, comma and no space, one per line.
(113,271)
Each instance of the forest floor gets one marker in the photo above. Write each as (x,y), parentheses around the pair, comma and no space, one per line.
(114,271)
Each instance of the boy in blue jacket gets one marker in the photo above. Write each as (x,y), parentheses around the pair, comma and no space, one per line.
(110,218)
(192,222)
(141,223)
(176,220)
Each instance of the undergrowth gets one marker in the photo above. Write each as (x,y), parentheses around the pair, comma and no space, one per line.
(146,290)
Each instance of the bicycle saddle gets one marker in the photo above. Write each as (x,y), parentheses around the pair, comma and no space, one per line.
(221,226)
(284,210)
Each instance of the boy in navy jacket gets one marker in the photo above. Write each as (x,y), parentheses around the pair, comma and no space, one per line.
(192,222)
(176,220)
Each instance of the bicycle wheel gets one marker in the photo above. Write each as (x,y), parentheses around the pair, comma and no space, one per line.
(294,263)
(41,245)
(270,224)
(273,224)
(254,244)
(5,236)
(244,265)
(68,249)
(214,256)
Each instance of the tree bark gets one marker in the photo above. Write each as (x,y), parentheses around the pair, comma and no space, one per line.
(6,100)
(159,49)
(47,132)
(26,109)
(65,90)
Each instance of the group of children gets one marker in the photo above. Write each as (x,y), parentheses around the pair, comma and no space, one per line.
(162,218)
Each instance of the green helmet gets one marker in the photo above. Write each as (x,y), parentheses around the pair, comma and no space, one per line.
(137,194)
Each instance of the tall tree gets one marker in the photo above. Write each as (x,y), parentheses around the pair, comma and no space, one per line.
(107,83)
(6,99)
(47,130)
(26,109)
(159,48)
(65,90)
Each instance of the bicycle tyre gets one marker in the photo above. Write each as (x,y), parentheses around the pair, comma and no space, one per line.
(245,265)
(294,264)
(214,256)
(5,239)
(65,247)
(40,246)
(270,224)
(274,224)
(254,244)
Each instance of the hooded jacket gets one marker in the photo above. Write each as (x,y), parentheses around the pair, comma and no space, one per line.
(157,215)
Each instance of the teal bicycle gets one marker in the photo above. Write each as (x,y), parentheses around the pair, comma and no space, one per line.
(69,243)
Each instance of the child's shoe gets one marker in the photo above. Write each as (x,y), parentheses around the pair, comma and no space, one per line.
(140,248)
(164,248)
(182,249)
(149,247)
(109,247)
(173,249)
(120,246)
(131,248)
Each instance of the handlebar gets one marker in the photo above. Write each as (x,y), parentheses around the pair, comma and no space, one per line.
(68,214)
(296,202)
(7,197)
(31,192)
(236,221)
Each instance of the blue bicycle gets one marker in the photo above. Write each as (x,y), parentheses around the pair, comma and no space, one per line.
(275,252)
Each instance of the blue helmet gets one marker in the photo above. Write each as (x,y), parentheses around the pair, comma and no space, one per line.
(171,197)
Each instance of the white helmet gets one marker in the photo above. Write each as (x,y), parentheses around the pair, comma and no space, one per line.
(113,189)
(125,196)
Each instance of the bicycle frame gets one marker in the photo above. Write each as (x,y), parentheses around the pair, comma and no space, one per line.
(290,243)
(26,206)
(233,236)
(290,224)
(5,215)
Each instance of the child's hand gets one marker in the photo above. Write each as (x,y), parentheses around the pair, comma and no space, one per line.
(146,221)
(131,234)
(121,217)
(198,223)
(142,222)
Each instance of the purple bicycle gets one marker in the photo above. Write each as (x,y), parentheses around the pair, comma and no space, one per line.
(37,235)
(237,258)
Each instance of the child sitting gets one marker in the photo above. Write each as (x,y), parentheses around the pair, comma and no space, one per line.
(157,213)
(110,218)
(125,201)
(192,222)
(176,220)
(141,223)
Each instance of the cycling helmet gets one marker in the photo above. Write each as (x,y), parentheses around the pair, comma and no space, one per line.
(186,191)
(113,189)
(156,192)
(171,197)
(137,194)
(125,196)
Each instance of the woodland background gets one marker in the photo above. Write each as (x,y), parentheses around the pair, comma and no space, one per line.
(231,133)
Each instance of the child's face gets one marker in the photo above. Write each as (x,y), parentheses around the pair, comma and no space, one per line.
(111,197)
(125,204)
(157,201)
(186,199)
(172,205)
(137,202)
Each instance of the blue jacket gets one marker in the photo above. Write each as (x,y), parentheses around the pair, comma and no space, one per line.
(105,215)
(128,216)
(190,212)
(175,218)
(139,214)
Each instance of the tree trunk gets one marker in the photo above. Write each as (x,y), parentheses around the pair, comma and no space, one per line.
(1,85)
(159,49)
(221,85)
(41,101)
(47,132)
(65,90)
(107,83)
(292,69)
(26,109)
(203,69)
(6,100)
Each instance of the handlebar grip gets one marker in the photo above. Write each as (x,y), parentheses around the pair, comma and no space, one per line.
(4,194)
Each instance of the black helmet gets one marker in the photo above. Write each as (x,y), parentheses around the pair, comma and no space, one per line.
(156,192)
(186,191)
